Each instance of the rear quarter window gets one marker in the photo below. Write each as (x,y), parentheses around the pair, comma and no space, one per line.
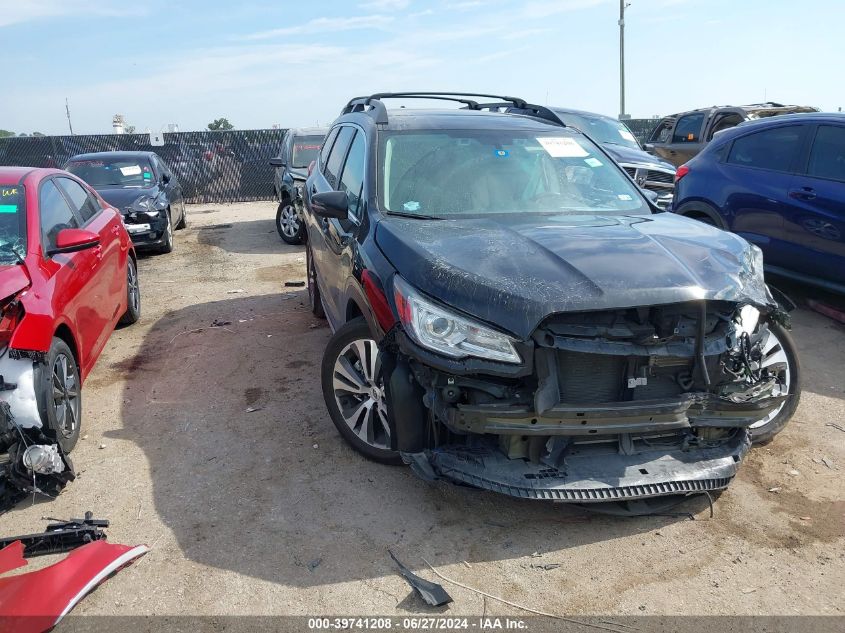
(774,149)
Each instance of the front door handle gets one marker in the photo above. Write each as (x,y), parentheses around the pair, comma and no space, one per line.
(313,189)
(804,193)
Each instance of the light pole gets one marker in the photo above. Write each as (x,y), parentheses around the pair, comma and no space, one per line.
(622,6)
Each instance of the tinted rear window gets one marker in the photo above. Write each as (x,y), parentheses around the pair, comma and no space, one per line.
(827,158)
(773,149)
(113,172)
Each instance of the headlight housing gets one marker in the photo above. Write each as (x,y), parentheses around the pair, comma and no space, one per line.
(439,329)
(148,205)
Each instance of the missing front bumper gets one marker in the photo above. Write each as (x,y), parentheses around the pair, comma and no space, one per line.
(588,477)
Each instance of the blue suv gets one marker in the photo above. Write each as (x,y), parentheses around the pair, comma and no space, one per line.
(780,184)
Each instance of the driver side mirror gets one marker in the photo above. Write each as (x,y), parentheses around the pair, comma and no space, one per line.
(277,162)
(649,147)
(165,179)
(73,240)
(331,204)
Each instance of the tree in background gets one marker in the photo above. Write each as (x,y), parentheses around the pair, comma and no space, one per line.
(221,124)
(5,133)
(129,129)
(37,134)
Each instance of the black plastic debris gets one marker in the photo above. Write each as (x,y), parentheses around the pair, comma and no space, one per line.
(294,284)
(61,537)
(431,592)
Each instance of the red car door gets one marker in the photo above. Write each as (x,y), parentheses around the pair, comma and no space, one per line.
(73,280)
(108,282)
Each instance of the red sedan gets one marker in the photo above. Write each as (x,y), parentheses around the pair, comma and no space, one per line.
(68,276)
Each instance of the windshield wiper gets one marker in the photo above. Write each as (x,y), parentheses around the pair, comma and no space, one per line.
(415,216)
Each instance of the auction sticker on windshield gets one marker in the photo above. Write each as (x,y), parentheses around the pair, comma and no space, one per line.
(562,147)
(131,170)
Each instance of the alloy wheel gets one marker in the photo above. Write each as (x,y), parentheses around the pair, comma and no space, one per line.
(65,395)
(359,392)
(134,290)
(774,354)
(289,221)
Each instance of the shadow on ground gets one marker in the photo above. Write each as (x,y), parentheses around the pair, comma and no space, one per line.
(252,477)
(248,238)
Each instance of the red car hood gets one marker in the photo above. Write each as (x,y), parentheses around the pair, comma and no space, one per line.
(13,279)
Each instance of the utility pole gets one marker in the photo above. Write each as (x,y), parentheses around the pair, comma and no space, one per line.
(67,110)
(622,6)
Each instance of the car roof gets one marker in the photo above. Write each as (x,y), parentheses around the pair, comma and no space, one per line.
(309,131)
(799,117)
(584,113)
(118,155)
(15,175)
(451,119)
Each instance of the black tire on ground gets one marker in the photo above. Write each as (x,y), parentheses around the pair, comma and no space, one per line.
(765,433)
(313,291)
(58,394)
(183,221)
(289,227)
(133,294)
(167,244)
(702,212)
(354,331)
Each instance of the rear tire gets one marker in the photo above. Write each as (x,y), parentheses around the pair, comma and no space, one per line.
(58,393)
(133,294)
(702,212)
(353,389)
(314,299)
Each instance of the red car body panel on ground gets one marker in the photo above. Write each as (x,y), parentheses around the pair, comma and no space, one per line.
(81,293)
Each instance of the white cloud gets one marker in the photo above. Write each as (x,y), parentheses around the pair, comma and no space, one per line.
(546,8)
(467,5)
(325,25)
(19,11)
(385,5)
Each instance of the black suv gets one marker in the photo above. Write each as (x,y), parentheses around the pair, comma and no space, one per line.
(511,312)
(679,137)
(299,149)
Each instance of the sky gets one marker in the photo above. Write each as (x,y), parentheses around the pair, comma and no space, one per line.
(265,62)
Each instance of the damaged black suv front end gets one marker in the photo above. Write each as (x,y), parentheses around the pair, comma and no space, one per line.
(510,312)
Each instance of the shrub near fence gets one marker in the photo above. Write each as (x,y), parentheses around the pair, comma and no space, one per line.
(230,166)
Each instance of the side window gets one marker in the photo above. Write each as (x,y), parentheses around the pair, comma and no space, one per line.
(827,158)
(344,138)
(772,149)
(688,128)
(82,202)
(55,214)
(661,132)
(163,168)
(353,173)
(327,147)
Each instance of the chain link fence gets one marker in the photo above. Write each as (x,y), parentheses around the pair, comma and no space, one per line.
(641,128)
(229,166)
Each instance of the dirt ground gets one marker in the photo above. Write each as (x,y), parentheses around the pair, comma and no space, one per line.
(267,511)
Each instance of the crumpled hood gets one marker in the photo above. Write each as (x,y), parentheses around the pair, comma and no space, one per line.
(13,279)
(122,197)
(299,173)
(631,156)
(514,271)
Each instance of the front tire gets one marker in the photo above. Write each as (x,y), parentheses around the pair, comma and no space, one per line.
(314,299)
(58,393)
(167,243)
(288,224)
(133,294)
(353,388)
(183,220)
(779,348)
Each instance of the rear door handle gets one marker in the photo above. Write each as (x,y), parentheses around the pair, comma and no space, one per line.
(804,193)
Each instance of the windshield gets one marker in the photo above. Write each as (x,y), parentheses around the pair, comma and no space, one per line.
(113,172)
(12,224)
(602,129)
(438,173)
(305,149)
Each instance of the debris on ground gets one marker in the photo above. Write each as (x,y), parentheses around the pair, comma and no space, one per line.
(828,311)
(33,462)
(793,473)
(546,567)
(294,284)
(61,537)
(775,489)
(236,291)
(37,601)
(220,323)
(253,409)
(836,426)
(827,462)
(431,592)
(314,564)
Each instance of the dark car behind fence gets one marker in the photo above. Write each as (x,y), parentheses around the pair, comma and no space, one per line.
(229,166)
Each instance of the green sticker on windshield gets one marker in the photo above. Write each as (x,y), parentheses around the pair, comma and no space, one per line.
(8,208)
